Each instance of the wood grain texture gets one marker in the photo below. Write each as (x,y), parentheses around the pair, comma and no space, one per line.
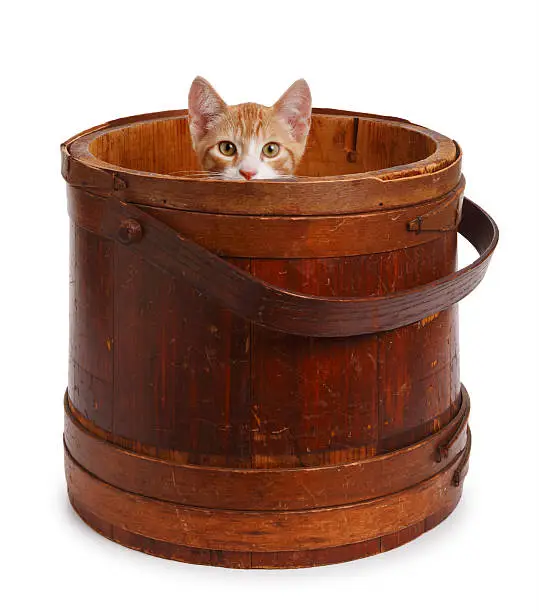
(281,309)
(263,489)
(273,531)
(91,367)
(387,147)
(152,365)
(314,236)
(128,158)
(266,374)
(289,559)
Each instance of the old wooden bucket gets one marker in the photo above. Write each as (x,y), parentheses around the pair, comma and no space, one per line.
(266,374)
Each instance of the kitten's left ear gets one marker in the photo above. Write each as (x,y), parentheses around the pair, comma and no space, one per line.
(294,108)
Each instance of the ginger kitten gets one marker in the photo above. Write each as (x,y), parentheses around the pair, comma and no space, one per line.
(249,141)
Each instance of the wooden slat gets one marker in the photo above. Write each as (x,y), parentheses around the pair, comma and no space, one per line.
(261,531)
(91,325)
(309,237)
(254,560)
(414,363)
(264,489)
(181,381)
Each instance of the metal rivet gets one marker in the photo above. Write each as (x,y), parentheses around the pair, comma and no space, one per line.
(130,231)
(118,183)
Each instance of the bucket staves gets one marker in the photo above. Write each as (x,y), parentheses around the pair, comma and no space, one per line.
(266,374)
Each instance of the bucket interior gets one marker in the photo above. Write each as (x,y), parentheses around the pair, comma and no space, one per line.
(337,145)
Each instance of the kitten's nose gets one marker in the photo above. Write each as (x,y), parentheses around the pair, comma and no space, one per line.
(247,174)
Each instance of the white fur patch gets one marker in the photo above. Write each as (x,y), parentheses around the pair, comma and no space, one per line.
(251,161)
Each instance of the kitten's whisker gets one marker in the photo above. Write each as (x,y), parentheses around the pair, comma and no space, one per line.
(198,173)
(202,174)
(192,172)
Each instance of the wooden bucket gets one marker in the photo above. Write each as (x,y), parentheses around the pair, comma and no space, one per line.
(266,374)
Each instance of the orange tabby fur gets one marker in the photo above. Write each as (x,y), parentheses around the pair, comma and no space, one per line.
(249,127)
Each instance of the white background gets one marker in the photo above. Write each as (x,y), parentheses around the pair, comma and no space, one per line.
(465,68)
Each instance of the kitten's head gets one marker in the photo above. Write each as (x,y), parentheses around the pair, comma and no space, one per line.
(249,141)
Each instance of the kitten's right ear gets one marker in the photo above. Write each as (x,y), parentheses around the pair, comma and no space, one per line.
(205,105)
(294,108)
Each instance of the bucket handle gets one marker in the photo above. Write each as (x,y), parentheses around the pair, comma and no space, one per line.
(273,307)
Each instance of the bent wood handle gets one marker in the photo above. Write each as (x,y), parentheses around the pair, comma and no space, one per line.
(270,306)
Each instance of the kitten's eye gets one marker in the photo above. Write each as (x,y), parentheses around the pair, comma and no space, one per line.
(271,149)
(227,148)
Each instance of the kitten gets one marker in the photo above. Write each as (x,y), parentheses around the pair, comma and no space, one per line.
(249,141)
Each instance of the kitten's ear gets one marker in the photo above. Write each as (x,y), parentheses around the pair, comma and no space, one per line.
(205,105)
(294,108)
